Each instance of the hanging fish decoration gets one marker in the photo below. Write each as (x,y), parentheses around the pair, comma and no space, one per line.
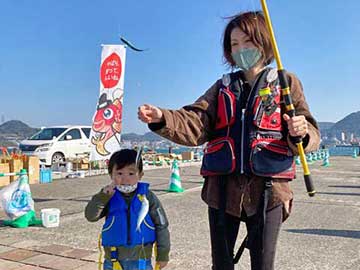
(138,156)
(130,45)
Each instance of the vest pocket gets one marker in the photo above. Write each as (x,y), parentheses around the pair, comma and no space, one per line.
(226,109)
(110,232)
(272,158)
(108,224)
(146,234)
(219,157)
(149,224)
(267,112)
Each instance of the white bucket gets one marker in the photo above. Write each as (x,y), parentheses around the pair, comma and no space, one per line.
(50,217)
(69,167)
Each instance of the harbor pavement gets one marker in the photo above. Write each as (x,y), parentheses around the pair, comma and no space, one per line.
(322,233)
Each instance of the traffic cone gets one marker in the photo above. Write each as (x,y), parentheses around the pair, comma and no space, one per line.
(322,154)
(326,162)
(354,155)
(309,158)
(175,180)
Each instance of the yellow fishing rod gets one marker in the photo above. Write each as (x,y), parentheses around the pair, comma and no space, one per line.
(290,109)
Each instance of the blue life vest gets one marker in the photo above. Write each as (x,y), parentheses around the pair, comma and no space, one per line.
(251,139)
(120,224)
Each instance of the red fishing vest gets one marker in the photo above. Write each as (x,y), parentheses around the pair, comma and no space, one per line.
(249,139)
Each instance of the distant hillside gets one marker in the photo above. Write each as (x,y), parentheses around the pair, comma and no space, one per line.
(149,136)
(16,127)
(349,124)
(12,132)
(325,125)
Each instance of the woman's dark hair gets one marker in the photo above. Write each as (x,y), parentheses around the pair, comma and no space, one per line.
(254,26)
(122,158)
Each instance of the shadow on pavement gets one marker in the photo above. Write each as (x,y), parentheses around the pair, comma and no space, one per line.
(159,189)
(339,193)
(345,186)
(76,199)
(43,200)
(193,182)
(338,233)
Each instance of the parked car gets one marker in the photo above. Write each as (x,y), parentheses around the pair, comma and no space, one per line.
(55,144)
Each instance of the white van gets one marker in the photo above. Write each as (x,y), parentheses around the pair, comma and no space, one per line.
(55,144)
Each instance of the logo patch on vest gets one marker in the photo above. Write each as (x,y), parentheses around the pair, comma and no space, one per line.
(272,75)
(226,80)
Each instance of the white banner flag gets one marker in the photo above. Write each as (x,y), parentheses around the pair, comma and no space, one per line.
(107,121)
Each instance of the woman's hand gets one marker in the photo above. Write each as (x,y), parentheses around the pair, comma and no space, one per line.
(150,114)
(297,125)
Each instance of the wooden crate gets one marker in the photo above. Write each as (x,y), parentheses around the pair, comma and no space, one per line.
(187,155)
(32,165)
(15,166)
(5,180)
(80,166)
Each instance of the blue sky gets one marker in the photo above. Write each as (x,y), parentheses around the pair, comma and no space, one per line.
(50,54)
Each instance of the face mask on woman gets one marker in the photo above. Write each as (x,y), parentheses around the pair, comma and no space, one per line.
(246,58)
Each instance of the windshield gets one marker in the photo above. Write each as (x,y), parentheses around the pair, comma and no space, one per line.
(47,134)
(86,131)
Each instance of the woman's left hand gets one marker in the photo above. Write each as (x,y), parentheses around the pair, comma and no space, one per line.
(297,125)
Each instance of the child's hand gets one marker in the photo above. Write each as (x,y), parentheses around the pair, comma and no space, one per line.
(109,189)
(160,265)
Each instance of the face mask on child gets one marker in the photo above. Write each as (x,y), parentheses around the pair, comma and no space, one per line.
(126,188)
(246,58)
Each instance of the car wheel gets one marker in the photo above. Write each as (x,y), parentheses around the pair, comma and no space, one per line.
(57,157)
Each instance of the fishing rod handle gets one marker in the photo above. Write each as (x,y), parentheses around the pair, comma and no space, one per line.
(309,185)
(290,110)
(285,90)
(307,177)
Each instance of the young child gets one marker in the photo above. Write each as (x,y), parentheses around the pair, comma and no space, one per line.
(134,217)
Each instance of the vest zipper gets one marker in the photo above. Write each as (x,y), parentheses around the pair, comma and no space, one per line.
(243,117)
(128,225)
(242,141)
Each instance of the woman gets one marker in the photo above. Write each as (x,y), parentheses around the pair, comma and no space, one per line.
(248,160)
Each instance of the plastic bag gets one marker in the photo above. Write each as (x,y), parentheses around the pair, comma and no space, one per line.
(15,199)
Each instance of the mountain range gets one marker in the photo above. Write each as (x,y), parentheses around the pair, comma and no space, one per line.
(15,130)
(350,124)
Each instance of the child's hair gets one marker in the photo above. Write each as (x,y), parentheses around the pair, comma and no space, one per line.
(122,158)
